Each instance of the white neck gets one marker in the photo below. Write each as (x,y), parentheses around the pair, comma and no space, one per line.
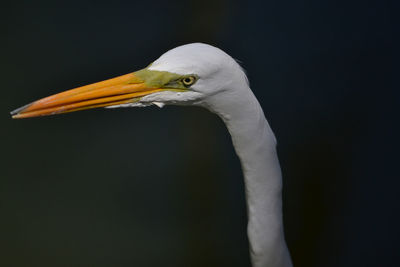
(255,145)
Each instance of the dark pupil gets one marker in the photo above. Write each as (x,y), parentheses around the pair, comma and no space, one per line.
(188,80)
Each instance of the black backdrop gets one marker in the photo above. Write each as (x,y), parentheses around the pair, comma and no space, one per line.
(151,187)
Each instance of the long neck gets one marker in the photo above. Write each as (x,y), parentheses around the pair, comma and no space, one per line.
(255,145)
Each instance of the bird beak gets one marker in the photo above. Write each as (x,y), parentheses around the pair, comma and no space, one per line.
(124,89)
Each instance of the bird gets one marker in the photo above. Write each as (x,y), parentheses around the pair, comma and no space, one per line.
(199,74)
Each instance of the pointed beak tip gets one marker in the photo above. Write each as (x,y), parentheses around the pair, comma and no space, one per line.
(16,113)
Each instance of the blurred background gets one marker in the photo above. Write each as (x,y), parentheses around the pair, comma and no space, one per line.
(151,187)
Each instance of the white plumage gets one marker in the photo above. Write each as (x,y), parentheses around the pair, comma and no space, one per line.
(223,89)
(202,75)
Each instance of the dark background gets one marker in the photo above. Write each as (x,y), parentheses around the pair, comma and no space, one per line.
(151,187)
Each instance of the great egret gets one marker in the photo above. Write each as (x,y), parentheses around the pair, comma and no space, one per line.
(202,75)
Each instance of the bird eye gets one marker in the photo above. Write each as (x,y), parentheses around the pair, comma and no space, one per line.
(188,81)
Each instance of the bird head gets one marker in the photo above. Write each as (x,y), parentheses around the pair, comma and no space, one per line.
(187,75)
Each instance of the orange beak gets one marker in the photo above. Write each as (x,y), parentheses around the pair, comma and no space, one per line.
(120,90)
